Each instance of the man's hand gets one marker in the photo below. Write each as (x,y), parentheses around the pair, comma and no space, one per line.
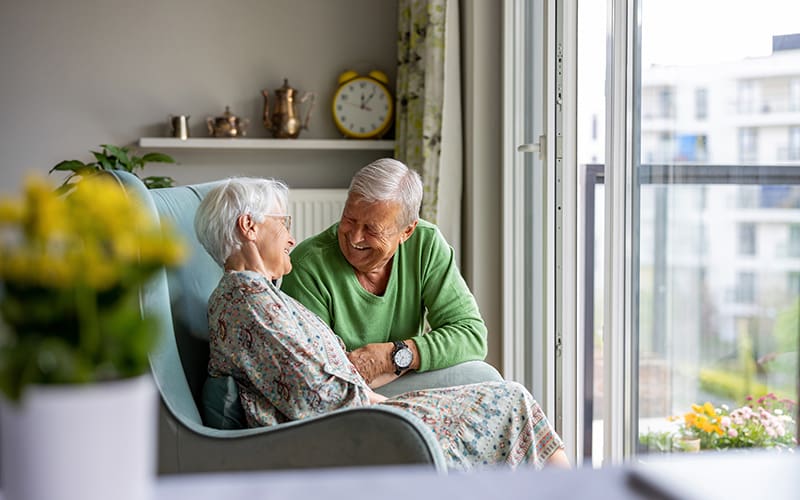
(373,360)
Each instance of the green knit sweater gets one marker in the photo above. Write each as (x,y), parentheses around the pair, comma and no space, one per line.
(424,279)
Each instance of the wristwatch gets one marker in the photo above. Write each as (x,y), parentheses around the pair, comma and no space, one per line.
(402,356)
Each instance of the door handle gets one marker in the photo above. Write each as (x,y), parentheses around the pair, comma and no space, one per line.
(535,147)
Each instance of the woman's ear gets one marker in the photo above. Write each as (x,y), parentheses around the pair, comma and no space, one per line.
(246,226)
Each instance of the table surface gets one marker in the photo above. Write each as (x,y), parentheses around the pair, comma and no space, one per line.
(706,476)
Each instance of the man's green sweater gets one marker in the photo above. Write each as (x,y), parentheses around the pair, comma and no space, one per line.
(424,279)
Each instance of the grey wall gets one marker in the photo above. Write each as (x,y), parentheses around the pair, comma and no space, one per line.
(78,73)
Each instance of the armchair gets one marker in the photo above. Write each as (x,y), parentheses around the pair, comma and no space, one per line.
(187,441)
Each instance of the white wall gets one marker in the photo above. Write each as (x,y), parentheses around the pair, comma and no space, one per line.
(78,73)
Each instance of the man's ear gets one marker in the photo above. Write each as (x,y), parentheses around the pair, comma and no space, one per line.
(408,231)
(246,226)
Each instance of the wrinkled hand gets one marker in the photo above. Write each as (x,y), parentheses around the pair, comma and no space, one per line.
(372,360)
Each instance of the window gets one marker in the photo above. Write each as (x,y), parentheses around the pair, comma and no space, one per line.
(747,96)
(794,94)
(748,145)
(701,103)
(747,238)
(666,105)
(793,153)
(676,279)
(794,242)
(745,287)
(706,302)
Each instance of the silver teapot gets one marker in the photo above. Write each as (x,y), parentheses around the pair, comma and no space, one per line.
(227,125)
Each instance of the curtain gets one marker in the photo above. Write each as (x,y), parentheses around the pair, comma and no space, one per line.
(428,124)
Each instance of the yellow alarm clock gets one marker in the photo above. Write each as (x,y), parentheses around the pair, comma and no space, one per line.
(363,107)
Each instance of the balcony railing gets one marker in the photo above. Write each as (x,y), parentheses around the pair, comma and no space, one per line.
(775,195)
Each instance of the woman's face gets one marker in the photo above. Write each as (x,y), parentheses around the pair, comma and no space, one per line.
(274,242)
(369,234)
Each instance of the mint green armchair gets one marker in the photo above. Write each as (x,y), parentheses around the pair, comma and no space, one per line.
(197,432)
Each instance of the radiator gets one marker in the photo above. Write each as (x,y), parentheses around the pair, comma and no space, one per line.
(314,210)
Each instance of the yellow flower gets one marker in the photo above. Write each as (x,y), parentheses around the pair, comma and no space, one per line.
(96,236)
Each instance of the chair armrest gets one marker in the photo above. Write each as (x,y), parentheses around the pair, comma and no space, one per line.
(469,372)
(369,436)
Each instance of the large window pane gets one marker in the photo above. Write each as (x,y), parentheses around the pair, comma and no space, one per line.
(717,213)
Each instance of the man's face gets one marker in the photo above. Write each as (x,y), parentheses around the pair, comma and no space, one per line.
(369,234)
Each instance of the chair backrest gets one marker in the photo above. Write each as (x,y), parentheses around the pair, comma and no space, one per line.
(179,300)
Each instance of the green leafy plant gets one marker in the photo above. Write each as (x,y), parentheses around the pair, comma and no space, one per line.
(116,158)
(71,267)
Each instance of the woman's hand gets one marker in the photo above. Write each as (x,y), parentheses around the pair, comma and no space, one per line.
(374,397)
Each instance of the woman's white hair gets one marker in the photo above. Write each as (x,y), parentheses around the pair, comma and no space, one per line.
(390,180)
(215,222)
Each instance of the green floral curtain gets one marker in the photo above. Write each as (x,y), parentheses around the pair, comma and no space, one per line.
(420,94)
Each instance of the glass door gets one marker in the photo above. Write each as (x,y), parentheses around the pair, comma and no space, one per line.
(718,221)
(692,254)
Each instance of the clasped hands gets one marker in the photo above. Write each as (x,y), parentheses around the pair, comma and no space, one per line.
(374,362)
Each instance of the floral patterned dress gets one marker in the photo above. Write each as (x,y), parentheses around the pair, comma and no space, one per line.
(289,365)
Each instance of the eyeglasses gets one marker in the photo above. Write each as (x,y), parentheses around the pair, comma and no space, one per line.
(286,220)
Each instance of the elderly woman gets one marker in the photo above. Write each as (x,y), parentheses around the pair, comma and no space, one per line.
(289,365)
(381,273)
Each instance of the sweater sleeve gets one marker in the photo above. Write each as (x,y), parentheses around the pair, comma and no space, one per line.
(303,284)
(457,332)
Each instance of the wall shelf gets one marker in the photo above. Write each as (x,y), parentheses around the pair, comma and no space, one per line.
(245,144)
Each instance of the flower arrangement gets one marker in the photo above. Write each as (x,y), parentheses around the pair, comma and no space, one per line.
(764,423)
(702,423)
(71,268)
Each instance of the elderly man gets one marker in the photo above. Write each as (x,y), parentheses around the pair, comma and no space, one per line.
(380,273)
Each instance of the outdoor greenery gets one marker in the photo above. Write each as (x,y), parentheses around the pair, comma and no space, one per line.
(71,267)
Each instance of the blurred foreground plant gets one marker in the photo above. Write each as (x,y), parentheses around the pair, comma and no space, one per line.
(71,268)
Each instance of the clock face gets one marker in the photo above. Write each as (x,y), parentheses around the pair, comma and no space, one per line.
(362,108)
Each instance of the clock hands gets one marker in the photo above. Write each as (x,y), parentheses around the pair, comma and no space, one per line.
(364,102)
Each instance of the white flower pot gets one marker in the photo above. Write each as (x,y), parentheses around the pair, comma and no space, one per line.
(87,442)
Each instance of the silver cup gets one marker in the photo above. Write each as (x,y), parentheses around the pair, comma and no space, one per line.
(179,126)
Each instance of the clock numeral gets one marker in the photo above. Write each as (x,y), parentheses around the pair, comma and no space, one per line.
(381,118)
(361,129)
(344,97)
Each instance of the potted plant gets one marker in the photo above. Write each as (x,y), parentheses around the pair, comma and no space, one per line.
(116,158)
(767,422)
(77,404)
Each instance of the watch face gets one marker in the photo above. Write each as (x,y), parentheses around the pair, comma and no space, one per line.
(402,358)
(362,108)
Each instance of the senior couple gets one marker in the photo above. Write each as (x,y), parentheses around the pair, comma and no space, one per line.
(350,316)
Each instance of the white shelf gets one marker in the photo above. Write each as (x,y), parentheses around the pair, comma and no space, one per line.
(244,143)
